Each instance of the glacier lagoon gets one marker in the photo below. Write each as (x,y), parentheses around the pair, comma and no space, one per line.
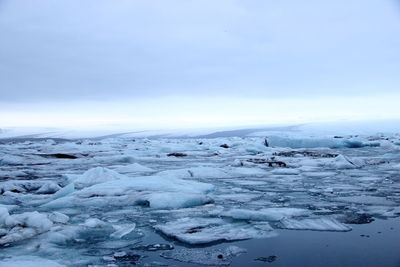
(238,201)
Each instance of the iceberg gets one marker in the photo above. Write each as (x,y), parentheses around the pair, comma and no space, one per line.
(95,176)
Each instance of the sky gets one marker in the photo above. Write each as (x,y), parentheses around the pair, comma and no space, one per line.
(197,63)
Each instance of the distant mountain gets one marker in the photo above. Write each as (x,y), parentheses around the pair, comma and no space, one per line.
(310,129)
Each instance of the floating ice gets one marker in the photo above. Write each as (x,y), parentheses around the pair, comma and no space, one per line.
(4,215)
(268,214)
(23,226)
(317,224)
(286,171)
(11,160)
(33,219)
(153,191)
(64,191)
(218,257)
(111,185)
(244,171)
(28,261)
(95,176)
(20,186)
(58,217)
(207,230)
(122,230)
(48,188)
(343,162)
(132,168)
(145,183)
(94,223)
(116,159)
(309,142)
(367,200)
(195,172)
(170,200)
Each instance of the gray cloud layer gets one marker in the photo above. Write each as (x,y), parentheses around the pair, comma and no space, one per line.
(69,49)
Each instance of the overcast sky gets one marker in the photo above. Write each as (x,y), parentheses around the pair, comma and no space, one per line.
(197,61)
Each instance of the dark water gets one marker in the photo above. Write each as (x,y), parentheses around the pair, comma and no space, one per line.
(311,248)
(369,245)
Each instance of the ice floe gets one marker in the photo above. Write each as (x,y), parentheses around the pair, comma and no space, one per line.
(122,230)
(28,261)
(207,230)
(95,176)
(309,142)
(317,224)
(268,214)
(119,196)
(195,172)
(133,168)
(216,257)
(22,226)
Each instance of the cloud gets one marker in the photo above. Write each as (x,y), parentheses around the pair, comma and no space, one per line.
(68,52)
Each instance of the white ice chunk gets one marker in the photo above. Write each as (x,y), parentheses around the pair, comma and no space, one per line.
(318,224)
(343,162)
(9,207)
(95,176)
(174,200)
(23,226)
(145,183)
(207,230)
(204,256)
(60,203)
(64,191)
(28,261)
(94,223)
(268,214)
(58,217)
(116,159)
(309,142)
(367,200)
(3,215)
(286,171)
(154,191)
(34,220)
(48,188)
(122,230)
(244,171)
(195,172)
(134,167)
(11,160)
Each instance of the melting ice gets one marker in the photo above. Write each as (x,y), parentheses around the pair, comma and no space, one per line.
(109,200)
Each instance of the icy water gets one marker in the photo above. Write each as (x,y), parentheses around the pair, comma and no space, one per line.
(194,202)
